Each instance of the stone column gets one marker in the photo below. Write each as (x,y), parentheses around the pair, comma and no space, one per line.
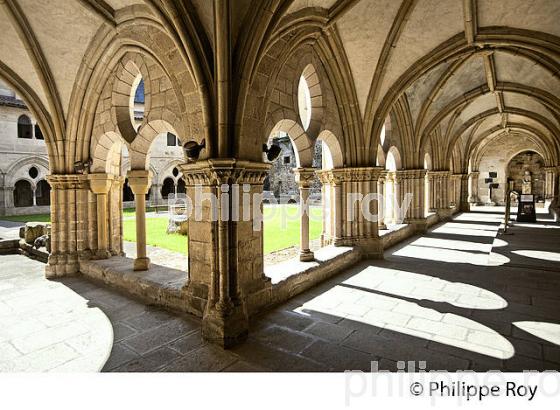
(139,182)
(69,226)
(412,182)
(473,187)
(35,196)
(381,190)
(226,278)
(304,178)
(463,192)
(439,194)
(356,209)
(100,184)
(551,176)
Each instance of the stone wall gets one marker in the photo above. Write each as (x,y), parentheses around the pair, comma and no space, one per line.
(532,162)
(496,158)
(281,179)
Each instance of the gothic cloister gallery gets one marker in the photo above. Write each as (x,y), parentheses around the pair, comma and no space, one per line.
(447,110)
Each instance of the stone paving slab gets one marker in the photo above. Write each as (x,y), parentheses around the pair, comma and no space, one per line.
(454,316)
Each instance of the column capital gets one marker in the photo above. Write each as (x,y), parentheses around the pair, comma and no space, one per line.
(304,176)
(222,171)
(100,183)
(139,181)
(68,181)
(401,174)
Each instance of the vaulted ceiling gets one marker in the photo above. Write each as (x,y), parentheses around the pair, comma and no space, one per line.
(463,70)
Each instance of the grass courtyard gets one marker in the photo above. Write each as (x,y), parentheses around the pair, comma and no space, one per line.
(281,228)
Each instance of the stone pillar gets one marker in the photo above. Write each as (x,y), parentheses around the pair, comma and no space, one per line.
(381,190)
(139,182)
(462,192)
(35,196)
(304,178)
(100,184)
(69,225)
(439,194)
(412,183)
(226,278)
(356,208)
(473,187)
(551,177)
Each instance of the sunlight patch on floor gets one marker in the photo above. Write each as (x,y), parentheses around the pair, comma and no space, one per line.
(545,256)
(544,330)
(410,318)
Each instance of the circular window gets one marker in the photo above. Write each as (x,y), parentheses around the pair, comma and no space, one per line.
(33,172)
(304,103)
(175,172)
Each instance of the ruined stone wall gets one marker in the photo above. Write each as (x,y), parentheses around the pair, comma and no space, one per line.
(281,179)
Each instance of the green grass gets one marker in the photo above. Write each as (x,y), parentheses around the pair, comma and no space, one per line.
(27,218)
(156,234)
(279,231)
(283,232)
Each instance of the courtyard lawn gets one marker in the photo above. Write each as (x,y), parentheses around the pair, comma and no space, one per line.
(281,228)
(156,235)
(27,218)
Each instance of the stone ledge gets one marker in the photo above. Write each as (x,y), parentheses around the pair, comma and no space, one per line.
(293,277)
(161,286)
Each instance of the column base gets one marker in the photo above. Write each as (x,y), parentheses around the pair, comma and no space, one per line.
(225,329)
(382,227)
(444,214)
(420,225)
(371,248)
(141,264)
(306,256)
(101,254)
(61,265)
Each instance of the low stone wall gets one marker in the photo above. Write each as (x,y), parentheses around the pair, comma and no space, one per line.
(9,246)
(304,276)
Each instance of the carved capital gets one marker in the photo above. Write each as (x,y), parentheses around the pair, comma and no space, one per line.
(410,174)
(68,181)
(140,181)
(304,176)
(224,171)
(100,183)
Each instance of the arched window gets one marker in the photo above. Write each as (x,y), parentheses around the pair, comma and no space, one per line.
(23,194)
(128,196)
(33,172)
(25,128)
(181,189)
(43,193)
(171,140)
(168,187)
(38,132)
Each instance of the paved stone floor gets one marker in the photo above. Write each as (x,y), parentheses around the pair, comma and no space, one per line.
(460,297)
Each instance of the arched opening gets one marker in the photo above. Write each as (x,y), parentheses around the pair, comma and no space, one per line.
(43,193)
(181,188)
(24,127)
(526,174)
(23,194)
(289,232)
(38,132)
(304,103)
(128,196)
(391,196)
(137,100)
(167,188)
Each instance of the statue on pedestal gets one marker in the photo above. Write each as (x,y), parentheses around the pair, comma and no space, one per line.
(527,184)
